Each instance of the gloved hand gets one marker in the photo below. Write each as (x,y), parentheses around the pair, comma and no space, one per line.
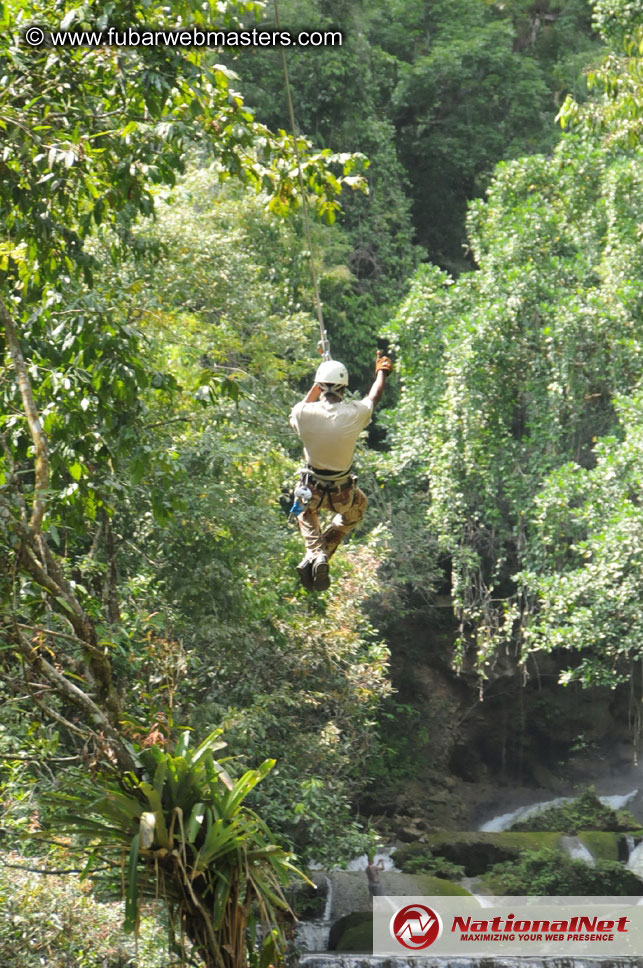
(383,363)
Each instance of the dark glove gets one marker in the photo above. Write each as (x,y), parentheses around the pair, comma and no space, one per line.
(383,363)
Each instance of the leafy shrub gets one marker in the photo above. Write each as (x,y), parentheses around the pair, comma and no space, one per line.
(543,872)
(425,862)
(56,921)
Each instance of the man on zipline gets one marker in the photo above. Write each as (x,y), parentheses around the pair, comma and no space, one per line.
(329,427)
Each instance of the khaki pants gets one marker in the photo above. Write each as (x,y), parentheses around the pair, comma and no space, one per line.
(349,506)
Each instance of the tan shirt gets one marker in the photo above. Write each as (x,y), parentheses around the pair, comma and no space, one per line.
(329,431)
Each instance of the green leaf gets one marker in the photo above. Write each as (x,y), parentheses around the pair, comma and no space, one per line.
(195,821)
(155,802)
(131,888)
(183,744)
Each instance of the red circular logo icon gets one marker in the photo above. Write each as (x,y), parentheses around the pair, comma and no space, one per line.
(416,926)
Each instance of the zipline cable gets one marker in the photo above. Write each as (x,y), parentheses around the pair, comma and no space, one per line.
(324,343)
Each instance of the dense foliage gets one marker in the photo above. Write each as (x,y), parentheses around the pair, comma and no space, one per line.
(435,94)
(157,326)
(511,376)
(546,872)
(85,391)
(56,919)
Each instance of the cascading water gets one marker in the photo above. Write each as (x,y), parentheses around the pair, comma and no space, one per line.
(506,820)
(313,936)
(328,907)
(344,890)
(577,850)
(383,856)
(635,859)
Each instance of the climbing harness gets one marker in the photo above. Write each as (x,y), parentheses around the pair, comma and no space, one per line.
(311,479)
(323,345)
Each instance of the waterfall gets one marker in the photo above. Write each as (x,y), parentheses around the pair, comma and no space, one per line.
(635,860)
(328,907)
(506,820)
(312,936)
(577,849)
(618,802)
(384,855)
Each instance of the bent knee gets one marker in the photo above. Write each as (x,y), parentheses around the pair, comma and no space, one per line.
(360,501)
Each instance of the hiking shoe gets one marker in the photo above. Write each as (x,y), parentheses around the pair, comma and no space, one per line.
(305,572)
(321,578)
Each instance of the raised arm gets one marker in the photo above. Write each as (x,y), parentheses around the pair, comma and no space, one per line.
(313,393)
(383,367)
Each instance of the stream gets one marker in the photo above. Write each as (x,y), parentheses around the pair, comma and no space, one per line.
(346,892)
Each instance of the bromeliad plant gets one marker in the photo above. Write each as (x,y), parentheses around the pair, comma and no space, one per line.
(180,831)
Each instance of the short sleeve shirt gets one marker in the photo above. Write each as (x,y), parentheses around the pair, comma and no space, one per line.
(329,431)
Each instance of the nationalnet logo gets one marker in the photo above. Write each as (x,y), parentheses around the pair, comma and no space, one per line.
(577,928)
(416,926)
(468,925)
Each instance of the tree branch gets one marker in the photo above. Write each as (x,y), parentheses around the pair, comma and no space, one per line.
(71,693)
(33,419)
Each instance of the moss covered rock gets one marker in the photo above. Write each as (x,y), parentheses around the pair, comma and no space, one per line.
(439,886)
(604,845)
(352,933)
(474,852)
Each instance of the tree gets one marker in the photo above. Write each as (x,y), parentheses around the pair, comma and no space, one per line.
(511,372)
(584,562)
(87,135)
(616,109)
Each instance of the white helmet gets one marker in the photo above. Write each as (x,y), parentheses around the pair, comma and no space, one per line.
(333,374)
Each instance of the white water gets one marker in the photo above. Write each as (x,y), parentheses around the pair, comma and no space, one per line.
(384,855)
(359,863)
(470,884)
(505,820)
(577,850)
(312,936)
(329,899)
(635,860)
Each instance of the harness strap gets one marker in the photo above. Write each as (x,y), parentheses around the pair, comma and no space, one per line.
(325,475)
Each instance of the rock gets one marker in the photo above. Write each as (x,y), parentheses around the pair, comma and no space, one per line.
(545,778)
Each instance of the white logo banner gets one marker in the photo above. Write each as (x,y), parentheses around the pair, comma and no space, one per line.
(538,926)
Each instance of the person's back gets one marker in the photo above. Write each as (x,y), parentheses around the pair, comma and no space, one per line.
(329,430)
(329,427)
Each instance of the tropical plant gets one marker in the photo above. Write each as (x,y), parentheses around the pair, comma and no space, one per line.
(179,828)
